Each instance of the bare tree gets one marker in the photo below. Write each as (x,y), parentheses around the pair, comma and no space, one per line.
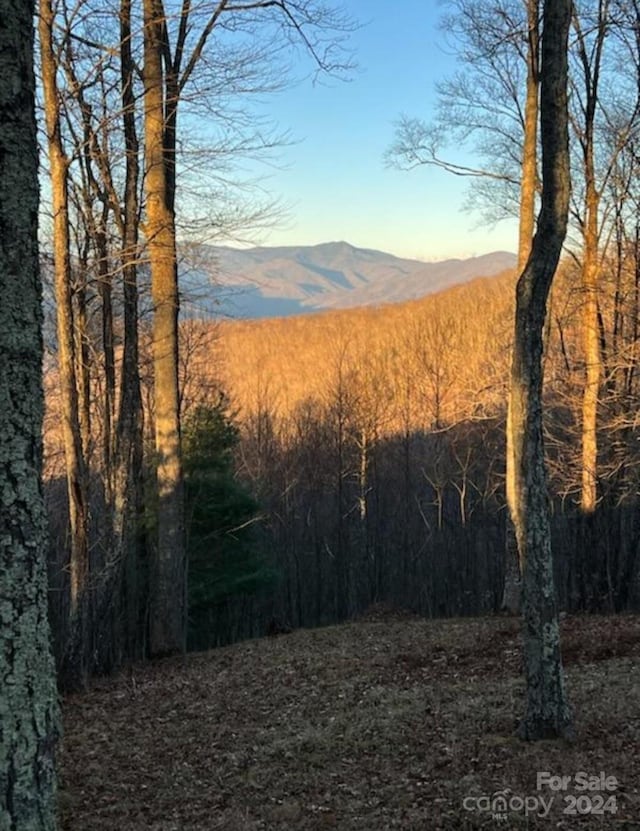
(67,363)
(128,443)
(606,105)
(547,712)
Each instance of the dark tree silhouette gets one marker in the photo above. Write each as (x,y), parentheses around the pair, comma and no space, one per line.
(547,713)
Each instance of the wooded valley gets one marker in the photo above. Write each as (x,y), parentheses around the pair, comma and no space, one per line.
(363,457)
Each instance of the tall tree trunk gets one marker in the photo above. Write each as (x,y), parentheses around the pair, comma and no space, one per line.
(28,700)
(589,495)
(547,712)
(168,613)
(105,287)
(129,430)
(93,152)
(512,597)
(75,464)
(591,61)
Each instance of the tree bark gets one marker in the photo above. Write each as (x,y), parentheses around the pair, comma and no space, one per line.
(168,613)
(74,458)
(128,451)
(512,596)
(547,712)
(589,492)
(590,59)
(28,699)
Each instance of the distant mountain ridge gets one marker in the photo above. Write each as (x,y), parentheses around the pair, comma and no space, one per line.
(281,281)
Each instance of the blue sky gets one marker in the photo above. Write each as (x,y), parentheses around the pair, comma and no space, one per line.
(333,179)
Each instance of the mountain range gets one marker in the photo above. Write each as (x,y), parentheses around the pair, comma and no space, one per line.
(282,281)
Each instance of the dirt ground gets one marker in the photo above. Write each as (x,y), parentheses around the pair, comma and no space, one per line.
(388,722)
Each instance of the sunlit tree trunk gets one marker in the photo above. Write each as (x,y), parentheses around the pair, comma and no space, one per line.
(91,147)
(529,180)
(547,711)
(590,59)
(75,464)
(528,184)
(28,698)
(167,628)
(588,495)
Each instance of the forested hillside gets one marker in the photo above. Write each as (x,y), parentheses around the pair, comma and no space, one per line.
(441,350)
(374,440)
(365,457)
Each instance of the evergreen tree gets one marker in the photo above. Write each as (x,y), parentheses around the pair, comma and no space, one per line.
(224,562)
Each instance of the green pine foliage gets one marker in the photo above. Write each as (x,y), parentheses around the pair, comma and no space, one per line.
(221,517)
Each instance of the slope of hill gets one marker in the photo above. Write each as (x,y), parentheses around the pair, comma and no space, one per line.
(388,723)
(273,282)
(452,345)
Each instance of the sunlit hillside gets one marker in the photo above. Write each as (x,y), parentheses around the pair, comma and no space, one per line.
(432,363)
(423,362)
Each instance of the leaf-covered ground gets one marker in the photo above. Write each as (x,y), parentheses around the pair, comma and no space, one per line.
(388,722)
